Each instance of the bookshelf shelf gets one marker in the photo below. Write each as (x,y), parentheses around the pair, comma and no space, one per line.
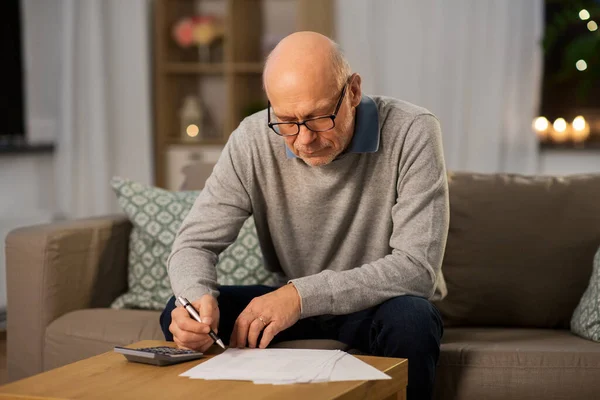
(193,68)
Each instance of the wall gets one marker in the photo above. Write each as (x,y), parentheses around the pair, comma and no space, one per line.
(566,162)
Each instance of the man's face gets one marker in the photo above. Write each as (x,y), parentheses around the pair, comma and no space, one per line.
(317,148)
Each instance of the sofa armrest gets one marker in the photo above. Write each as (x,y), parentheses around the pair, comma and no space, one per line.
(56,268)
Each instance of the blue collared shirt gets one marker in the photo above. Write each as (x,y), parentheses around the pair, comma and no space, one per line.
(366,129)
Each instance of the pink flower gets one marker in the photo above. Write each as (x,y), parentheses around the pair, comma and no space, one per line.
(183,32)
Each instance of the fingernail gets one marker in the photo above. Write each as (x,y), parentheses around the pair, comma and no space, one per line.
(207,320)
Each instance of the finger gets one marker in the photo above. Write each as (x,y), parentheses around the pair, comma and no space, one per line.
(208,304)
(268,334)
(192,326)
(243,324)
(189,339)
(179,344)
(196,346)
(206,346)
(182,319)
(253,331)
(186,336)
(184,344)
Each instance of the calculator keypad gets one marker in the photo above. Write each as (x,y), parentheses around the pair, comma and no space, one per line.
(165,350)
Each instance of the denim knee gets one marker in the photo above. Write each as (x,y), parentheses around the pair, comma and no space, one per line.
(165,319)
(406,325)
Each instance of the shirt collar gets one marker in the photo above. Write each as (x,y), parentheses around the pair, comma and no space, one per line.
(366,129)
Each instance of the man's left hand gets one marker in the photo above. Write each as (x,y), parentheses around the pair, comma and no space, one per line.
(271,314)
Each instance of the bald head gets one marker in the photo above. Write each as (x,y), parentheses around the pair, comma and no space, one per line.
(305,58)
(306,79)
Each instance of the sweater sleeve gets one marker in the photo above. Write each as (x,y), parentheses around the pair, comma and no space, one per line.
(212,224)
(420,219)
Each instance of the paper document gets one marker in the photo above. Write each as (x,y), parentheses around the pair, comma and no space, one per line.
(284,366)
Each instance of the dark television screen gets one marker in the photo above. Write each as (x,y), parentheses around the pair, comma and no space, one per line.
(11,71)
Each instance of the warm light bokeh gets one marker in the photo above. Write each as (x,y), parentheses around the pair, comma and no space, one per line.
(560,125)
(192,130)
(560,130)
(581,129)
(540,126)
(579,123)
(584,14)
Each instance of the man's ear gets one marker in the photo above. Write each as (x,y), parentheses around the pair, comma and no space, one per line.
(355,90)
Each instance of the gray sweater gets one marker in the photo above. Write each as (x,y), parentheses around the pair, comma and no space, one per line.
(351,234)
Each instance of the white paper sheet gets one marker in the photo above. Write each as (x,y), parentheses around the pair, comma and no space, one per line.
(284,366)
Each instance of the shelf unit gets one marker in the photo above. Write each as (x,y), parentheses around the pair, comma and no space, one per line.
(229,88)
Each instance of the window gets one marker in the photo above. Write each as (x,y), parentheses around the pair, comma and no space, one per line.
(12,126)
(571,84)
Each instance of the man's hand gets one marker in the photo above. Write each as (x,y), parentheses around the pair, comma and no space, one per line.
(191,334)
(271,314)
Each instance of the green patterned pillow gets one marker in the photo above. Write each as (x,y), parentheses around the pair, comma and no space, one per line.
(586,318)
(156,215)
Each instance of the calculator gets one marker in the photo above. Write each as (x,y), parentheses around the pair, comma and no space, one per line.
(162,355)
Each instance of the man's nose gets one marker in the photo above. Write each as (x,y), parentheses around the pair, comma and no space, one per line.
(306,136)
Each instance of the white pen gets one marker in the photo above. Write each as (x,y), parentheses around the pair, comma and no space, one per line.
(194,314)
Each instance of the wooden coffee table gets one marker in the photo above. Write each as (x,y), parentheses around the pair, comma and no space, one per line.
(110,376)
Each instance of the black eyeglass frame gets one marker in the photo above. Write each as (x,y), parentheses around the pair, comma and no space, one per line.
(272,125)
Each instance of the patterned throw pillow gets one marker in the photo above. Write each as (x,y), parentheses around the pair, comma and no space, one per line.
(156,215)
(586,318)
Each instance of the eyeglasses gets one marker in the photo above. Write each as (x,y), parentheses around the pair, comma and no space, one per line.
(316,124)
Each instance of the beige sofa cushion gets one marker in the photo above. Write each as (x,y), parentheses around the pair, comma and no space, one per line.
(85,333)
(520,249)
(495,363)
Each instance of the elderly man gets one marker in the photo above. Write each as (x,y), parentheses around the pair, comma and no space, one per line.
(350,199)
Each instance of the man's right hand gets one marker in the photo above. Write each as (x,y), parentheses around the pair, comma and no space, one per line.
(191,334)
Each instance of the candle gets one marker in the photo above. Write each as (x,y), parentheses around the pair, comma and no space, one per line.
(560,132)
(540,126)
(581,129)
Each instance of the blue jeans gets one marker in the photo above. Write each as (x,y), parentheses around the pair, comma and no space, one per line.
(405,327)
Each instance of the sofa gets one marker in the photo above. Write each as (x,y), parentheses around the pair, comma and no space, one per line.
(518,258)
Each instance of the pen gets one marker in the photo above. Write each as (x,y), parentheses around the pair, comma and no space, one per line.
(194,314)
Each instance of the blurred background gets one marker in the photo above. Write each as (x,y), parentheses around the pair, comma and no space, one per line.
(142,89)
